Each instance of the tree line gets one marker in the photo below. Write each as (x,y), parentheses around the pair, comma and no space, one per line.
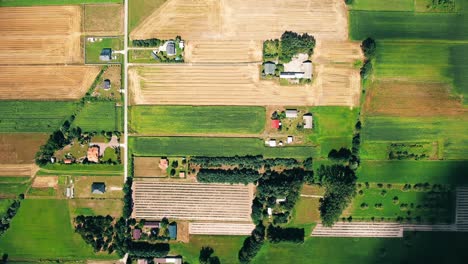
(251,162)
(9,214)
(244,176)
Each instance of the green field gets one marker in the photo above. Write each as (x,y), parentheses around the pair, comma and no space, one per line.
(140,56)
(54,2)
(99,116)
(93,49)
(33,116)
(443,172)
(140,9)
(196,119)
(4,205)
(81,169)
(440,207)
(42,192)
(383,5)
(225,247)
(422,247)
(13,189)
(210,146)
(42,229)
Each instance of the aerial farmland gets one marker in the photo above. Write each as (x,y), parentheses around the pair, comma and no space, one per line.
(230,131)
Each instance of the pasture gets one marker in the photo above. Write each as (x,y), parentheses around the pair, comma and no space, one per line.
(20,148)
(53,2)
(212,146)
(49,236)
(46,82)
(99,116)
(106,20)
(31,116)
(112,207)
(194,120)
(40,35)
(441,172)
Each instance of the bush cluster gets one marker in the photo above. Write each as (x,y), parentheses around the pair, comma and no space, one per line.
(244,176)
(8,216)
(278,234)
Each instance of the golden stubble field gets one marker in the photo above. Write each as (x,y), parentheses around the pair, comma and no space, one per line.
(40,35)
(45,82)
(224,52)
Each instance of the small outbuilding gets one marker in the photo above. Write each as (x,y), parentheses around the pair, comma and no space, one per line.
(98,188)
(272,143)
(171,260)
(172,228)
(291,113)
(152,224)
(290,139)
(307,67)
(107,84)
(269,68)
(275,123)
(170,48)
(136,234)
(308,121)
(106,54)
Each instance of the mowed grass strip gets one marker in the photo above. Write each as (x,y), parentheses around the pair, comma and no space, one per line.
(81,169)
(54,2)
(197,119)
(42,229)
(34,116)
(99,116)
(212,146)
(410,171)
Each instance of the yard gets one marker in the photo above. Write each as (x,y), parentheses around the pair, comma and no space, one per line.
(82,186)
(49,235)
(196,119)
(93,49)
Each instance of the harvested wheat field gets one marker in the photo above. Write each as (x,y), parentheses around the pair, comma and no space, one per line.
(103,19)
(40,35)
(244,20)
(217,51)
(192,201)
(45,182)
(17,169)
(412,100)
(20,148)
(46,82)
(211,84)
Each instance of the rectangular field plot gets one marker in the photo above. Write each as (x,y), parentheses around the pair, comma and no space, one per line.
(222,51)
(20,148)
(82,186)
(40,35)
(441,172)
(192,201)
(383,5)
(98,116)
(213,146)
(45,82)
(211,84)
(192,120)
(240,20)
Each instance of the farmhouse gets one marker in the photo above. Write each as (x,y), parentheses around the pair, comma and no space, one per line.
(106,54)
(163,164)
(172,260)
(292,75)
(98,188)
(308,121)
(170,48)
(269,68)
(93,154)
(107,84)
(307,67)
(275,123)
(291,113)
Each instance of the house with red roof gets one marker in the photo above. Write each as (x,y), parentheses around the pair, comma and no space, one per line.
(275,123)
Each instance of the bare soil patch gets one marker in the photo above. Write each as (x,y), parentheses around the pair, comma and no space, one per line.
(396,98)
(45,182)
(148,167)
(17,170)
(244,20)
(103,19)
(46,82)
(183,231)
(40,35)
(20,148)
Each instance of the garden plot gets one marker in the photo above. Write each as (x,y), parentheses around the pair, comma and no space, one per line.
(45,82)
(40,35)
(192,201)
(204,84)
(241,20)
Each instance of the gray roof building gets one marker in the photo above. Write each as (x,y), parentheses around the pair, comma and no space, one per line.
(308,121)
(172,231)
(107,84)
(170,48)
(98,188)
(106,54)
(291,113)
(307,67)
(269,68)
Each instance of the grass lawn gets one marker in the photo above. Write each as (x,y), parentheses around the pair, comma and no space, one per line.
(42,229)
(42,192)
(54,2)
(112,207)
(197,119)
(140,9)
(140,56)
(422,247)
(93,49)
(383,5)
(225,247)
(13,189)
(442,172)
(306,211)
(83,186)
(210,146)
(440,206)
(99,116)
(34,116)
(82,169)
